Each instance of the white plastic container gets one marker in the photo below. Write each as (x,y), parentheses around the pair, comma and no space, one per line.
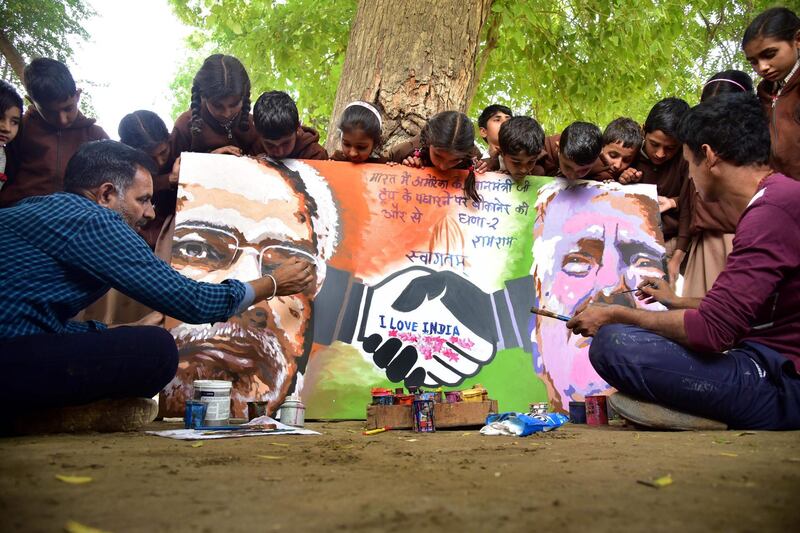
(216,394)
(293,412)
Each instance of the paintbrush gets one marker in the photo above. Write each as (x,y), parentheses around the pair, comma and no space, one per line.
(633,290)
(545,312)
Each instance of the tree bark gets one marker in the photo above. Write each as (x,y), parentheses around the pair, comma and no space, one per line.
(11,54)
(411,60)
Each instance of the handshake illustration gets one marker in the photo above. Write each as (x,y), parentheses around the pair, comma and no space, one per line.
(429,328)
(422,326)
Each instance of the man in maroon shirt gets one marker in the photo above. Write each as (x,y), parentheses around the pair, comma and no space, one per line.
(734,355)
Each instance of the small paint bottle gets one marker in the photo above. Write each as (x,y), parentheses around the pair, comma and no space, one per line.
(293,412)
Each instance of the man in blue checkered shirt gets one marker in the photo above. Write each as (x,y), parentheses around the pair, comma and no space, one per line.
(64,251)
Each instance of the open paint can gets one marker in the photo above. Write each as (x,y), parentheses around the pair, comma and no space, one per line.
(577,412)
(596,413)
(453,396)
(194,414)
(216,394)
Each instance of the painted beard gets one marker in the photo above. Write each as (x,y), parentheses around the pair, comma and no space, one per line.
(252,359)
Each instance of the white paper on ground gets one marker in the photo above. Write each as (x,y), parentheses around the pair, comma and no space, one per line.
(193,434)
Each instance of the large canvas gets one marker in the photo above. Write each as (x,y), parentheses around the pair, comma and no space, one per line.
(415,285)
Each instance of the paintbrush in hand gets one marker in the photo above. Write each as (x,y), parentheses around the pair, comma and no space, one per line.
(545,312)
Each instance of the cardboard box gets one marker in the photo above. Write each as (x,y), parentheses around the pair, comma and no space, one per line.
(446,415)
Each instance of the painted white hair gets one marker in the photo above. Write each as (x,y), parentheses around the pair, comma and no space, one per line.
(326,222)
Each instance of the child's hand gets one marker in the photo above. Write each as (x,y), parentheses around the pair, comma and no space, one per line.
(412,161)
(176,170)
(630,175)
(481,167)
(391,163)
(665,204)
(230,149)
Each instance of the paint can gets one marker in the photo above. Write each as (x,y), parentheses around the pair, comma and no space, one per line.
(404,399)
(194,414)
(216,394)
(472,395)
(577,412)
(257,409)
(538,408)
(293,412)
(596,413)
(453,396)
(382,396)
(423,416)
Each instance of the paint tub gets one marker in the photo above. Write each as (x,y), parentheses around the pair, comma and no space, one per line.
(596,413)
(257,409)
(423,416)
(194,414)
(293,412)
(383,399)
(453,396)
(474,395)
(577,412)
(216,394)
(404,399)
(538,408)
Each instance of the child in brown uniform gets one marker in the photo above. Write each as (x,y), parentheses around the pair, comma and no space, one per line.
(282,137)
(145,131)
(490,121)
(10,118)
(360,128)
(705,231)
(772,46)
(661,163)
(219,119)
(622,140)
(52,130)
(521,146)
(446,142)
(575,153)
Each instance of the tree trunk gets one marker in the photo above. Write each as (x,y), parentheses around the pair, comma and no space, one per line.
(411,60)
(11,54)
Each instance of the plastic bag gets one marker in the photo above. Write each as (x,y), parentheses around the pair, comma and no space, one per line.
(520,424)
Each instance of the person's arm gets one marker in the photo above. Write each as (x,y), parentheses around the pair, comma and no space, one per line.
(669,324)
(686,204)
(317,152)
(765,252)
(399,152)
(106,248)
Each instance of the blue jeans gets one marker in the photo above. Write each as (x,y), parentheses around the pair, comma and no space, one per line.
(49,370)
(748,387)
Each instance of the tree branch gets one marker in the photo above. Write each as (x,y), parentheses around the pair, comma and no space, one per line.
(11,54)
(492,38)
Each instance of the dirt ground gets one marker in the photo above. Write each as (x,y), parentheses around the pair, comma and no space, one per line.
(573,479)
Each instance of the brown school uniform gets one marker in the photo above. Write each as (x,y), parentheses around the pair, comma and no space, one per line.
(40,155)
(338,155)
(705,232)
(783,112)
(212,135)
(402,150)
(306,146)
(669,179)
(550,165)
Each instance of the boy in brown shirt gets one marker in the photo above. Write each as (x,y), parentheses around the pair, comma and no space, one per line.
(575,153)
(282,137)
(52,130)
(661,163)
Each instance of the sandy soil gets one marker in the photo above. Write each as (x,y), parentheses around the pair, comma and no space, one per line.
(573,479)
